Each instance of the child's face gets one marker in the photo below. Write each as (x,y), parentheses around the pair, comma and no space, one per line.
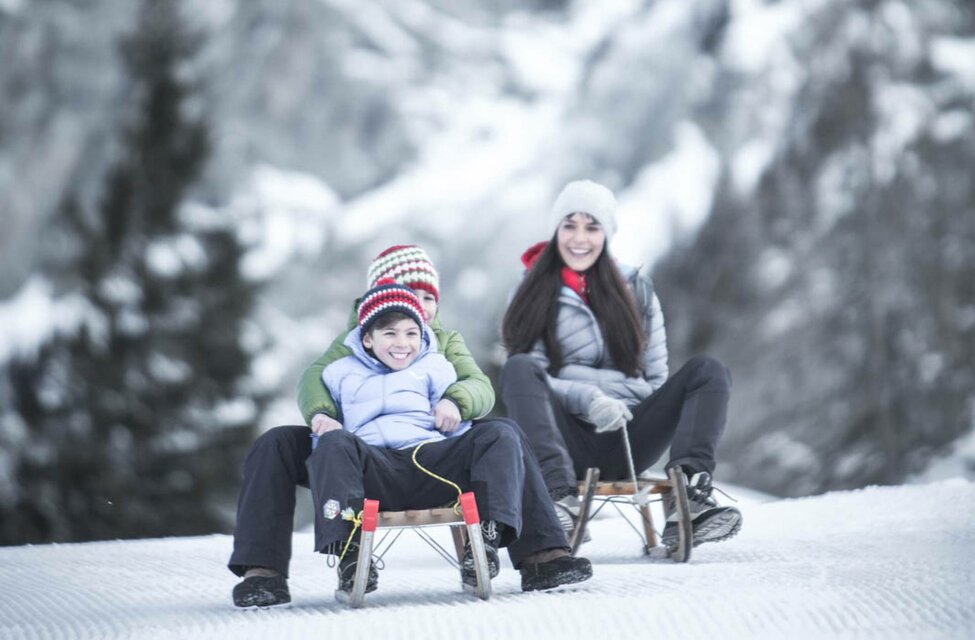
(429,304)
(396,345)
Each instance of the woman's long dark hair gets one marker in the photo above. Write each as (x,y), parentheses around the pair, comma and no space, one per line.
(534,310)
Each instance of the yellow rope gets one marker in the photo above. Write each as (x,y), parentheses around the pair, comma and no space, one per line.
(357,519)
(356,523)
(419,466)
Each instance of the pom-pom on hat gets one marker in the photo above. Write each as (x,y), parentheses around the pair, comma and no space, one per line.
(408,265)
(385,297)
(586,196)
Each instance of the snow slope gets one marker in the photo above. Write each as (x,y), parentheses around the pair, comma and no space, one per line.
(878,562)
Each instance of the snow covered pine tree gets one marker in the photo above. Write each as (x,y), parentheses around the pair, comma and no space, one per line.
(132,425)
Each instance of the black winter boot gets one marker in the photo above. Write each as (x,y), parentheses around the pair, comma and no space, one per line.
(491,532)
(347,567)
(709,521)
(262,591)
(536,576)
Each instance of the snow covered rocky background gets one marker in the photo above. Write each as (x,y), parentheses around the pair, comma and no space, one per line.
(795,175)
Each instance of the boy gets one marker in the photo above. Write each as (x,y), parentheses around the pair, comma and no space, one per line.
(385,391)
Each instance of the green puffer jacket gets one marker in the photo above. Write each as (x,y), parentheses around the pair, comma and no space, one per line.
(472,393)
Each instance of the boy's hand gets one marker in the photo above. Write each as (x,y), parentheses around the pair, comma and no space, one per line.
(446,416)
(320,423)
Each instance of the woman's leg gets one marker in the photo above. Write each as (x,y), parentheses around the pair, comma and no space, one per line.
(560,444)
(687,414)
(273,469)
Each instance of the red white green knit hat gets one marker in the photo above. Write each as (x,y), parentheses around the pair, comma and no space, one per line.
(408,265)
(385,297)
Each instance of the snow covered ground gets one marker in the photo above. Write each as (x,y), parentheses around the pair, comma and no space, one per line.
(879,562)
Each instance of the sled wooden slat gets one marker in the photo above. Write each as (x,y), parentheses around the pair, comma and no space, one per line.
(418,517)
(623,488)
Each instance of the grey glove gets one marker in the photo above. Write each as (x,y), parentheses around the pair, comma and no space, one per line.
(608,414)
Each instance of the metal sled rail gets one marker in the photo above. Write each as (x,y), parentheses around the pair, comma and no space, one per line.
(464,527)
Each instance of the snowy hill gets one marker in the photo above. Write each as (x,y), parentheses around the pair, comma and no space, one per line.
(879,562)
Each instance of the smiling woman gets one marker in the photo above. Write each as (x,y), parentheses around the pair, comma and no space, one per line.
(589,357)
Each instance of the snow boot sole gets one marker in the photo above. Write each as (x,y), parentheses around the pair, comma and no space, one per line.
(259,591)
(555,573)
(716,527)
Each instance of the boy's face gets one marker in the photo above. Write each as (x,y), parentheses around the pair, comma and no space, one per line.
(429,304)
(396,345)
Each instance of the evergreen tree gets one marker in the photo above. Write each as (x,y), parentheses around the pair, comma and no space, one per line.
(137,422)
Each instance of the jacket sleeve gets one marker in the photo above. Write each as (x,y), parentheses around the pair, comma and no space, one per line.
(655,369)
(442,375)
(313,395)
(575,395)
(472,393)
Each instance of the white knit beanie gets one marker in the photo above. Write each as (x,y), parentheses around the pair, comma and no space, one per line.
(586,196)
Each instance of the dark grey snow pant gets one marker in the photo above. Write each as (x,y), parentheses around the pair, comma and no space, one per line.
(686,414)
(492,459)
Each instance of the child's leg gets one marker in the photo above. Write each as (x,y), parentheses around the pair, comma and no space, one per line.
(273,469)
(342,471)
(540,528)
(494,461)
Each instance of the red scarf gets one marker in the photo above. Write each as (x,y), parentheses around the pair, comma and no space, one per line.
(572,279)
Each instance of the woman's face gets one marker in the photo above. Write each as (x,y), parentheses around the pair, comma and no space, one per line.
(580,239)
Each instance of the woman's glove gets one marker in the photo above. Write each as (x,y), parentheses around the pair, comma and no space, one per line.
(608,414)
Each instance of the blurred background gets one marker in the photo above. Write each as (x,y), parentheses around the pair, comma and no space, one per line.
(190,196)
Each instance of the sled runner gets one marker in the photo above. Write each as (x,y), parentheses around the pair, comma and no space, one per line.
(672,489)
(464,526)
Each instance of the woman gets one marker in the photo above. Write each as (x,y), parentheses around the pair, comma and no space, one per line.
(588,355)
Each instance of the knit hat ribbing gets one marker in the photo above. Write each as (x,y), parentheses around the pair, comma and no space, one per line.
(586,196)
(385,297)
(408,265)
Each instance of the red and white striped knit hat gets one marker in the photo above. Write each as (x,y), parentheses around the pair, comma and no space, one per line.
(408,265)
(385,297)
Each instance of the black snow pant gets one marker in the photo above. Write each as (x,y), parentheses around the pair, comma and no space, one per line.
(493,459)
(686,414)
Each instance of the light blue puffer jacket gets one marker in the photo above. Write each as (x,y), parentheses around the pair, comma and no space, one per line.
(587,366)
(386,408)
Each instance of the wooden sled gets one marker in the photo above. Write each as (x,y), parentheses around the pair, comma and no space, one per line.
(672,488)
(464,527)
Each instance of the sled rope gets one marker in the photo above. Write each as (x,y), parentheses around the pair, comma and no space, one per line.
(629,462)
(356,520)
(456,506)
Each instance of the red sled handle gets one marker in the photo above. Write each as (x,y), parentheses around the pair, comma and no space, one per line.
(370,514)
(469,507)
